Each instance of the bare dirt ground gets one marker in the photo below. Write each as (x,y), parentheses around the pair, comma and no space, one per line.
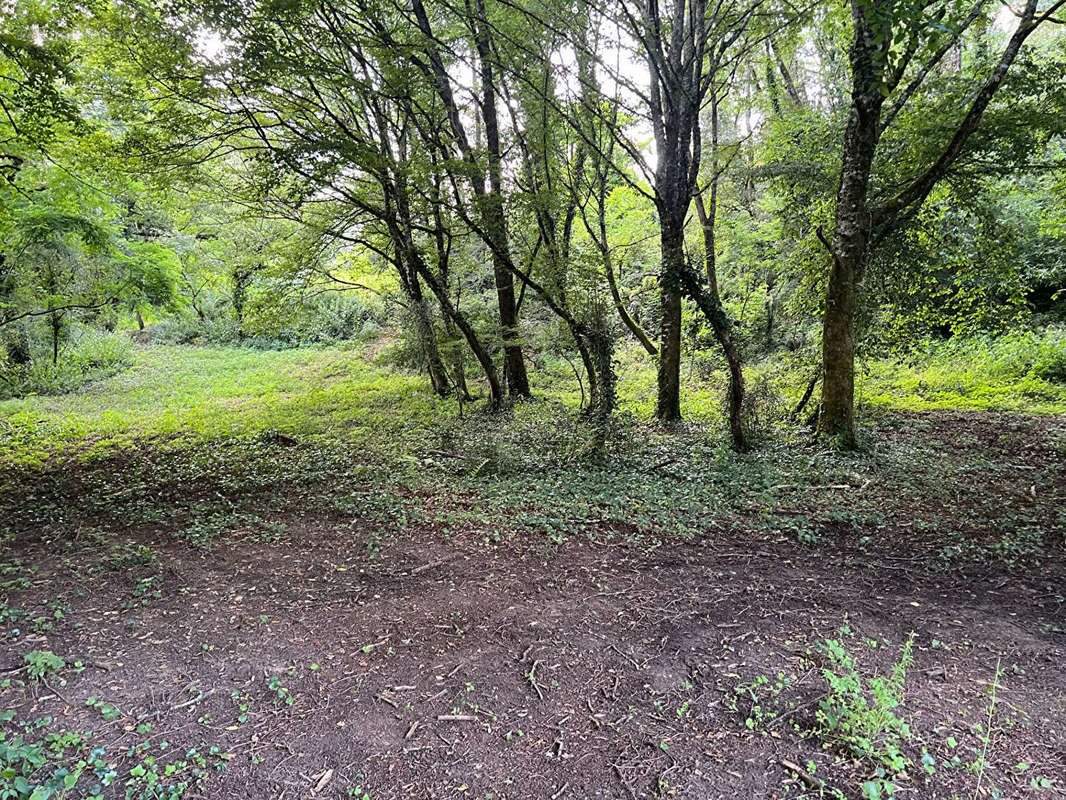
(445,667)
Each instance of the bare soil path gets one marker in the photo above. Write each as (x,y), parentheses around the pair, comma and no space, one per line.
(447,667)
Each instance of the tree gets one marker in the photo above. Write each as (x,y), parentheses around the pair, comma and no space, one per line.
(52,265)
(690,49)
(892,41)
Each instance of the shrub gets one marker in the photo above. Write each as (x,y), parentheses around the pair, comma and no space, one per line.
(1050,365)
(1011,355)
(42,663)
(290,322)
(859,712)
(763,406)
(90,355)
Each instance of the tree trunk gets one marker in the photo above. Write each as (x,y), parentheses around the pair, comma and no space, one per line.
(240,295)
(56,324)
(851,235)
(710,303)
(483,356)
(668,405)
(427,337)
(855,221)
(805,398)
(457,361)
(836,416)
(623,313)
(441,241)
(590,370)
(514,365)
(771,308)
(608,266)
(603,402)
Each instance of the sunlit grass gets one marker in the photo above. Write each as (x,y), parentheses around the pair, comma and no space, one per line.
(1019,372)
(174,396)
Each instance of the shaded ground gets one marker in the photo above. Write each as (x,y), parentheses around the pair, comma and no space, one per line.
(331,654)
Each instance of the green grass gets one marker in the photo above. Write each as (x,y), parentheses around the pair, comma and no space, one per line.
(200,440)
(1018,372)
(933,388)
(175,396)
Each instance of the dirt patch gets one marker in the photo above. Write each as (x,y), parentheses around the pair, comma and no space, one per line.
(441,666)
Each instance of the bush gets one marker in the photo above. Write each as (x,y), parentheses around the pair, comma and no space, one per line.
(89,356)
(181,329)
(859,711)
(1041,354)
(321,319)
(1050,365)
(762,409)
(339,317)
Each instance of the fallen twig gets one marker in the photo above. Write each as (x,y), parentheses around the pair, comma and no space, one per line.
(432,564)
(322,781)
(531,676)
(804,776)
(201,696)
(664,463)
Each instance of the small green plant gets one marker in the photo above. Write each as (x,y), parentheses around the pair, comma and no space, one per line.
(241,700)
(33,767)
(152,779)
(358,791)
(859,713)
(107,710)
(146,590)
(127,554)
(980,763)
(14,576)
(42,663)
(281,693)
(761,701)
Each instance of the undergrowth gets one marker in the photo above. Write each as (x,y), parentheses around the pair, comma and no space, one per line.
(232,436)
(92,355)
(860,716)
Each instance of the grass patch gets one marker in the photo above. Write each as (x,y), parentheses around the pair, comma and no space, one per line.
(179,396)
(211,442)
(1018,372)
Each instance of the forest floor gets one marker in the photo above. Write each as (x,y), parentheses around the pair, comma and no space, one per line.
(297,603)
